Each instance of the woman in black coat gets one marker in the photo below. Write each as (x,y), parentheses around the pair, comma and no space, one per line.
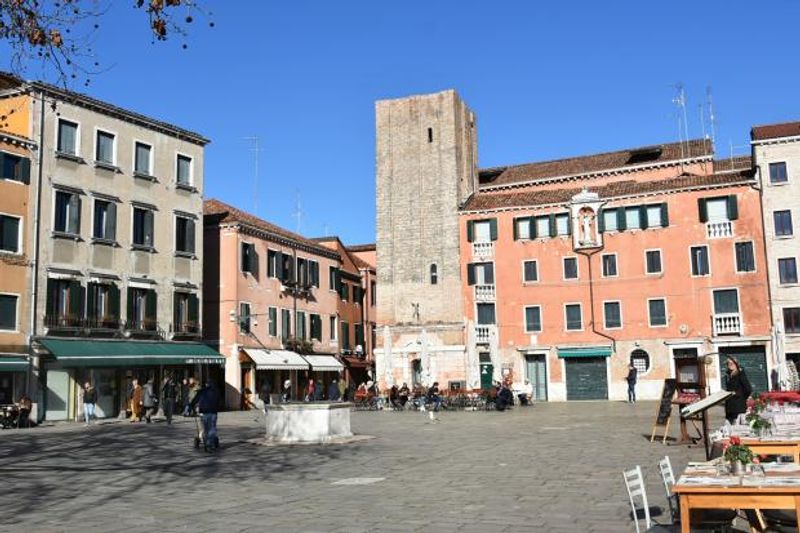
(740,386)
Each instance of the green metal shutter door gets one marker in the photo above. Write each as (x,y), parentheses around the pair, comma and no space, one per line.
(587,378)
(754,361)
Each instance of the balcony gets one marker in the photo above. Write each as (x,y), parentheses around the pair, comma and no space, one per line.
(484,333)
(143,328)
(75,325)
(485,293)
(482,251)
(63,323)
(727,324)
(185,330)
(719,230)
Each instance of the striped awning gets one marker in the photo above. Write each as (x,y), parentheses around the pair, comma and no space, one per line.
(106,353)
(589,351)
(324,363)
(276,359)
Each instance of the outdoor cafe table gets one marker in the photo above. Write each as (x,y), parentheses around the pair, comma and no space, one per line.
(779,445)
(702,487)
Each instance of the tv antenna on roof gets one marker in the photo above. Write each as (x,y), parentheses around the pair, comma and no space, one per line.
(255,147)
(297,213)
(683,123)
(712,118)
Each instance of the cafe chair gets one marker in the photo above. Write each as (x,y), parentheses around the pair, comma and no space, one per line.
(634,482)
(702,519)
(780,520)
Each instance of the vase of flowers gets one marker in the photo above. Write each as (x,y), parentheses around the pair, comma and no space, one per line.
(758,424)
(738,455)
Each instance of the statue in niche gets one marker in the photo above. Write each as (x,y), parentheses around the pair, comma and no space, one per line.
(587,225)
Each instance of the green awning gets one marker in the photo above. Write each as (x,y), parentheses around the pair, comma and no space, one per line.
(13,363)
(592,351)
(100,353)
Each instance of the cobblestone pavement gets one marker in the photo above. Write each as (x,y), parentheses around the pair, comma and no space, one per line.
(553,467)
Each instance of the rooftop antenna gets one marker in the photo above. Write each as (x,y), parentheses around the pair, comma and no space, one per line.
(325,229)
(712,118)
(683,132)
(255,147)
(298,211)
(703,121)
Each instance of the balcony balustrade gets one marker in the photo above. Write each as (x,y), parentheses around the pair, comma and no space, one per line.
(482,250)
(719,230)
(484,333)
(485,293)
(727,324)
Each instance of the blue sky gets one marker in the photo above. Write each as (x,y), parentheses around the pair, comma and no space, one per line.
(546,80)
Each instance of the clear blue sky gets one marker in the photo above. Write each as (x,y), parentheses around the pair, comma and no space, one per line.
(546,79)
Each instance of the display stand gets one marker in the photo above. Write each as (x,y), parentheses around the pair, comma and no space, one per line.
(664,413)
(699,411)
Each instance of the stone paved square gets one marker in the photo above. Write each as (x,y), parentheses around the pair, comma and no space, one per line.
(553,467)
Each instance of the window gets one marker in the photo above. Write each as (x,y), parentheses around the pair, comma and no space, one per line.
(633,217)
(68,213)
(184,170)
(186,310)
(791,319)
(142,159)
(244,317)
(654,216)
(345,344)
(8,312)
(286,323)
(652,261)
(530,271)
(344,291)
(15,168)
(316,327)
(142,309)
(143,227)
(104,150)
(10,234)
(522,228)
(533,319)
(612,315)
(783,223)
(313,273)
(430,135)
(486,314)
(574,317)
(657,312)
(482,230)
(358,333)
(745,257)
(300,325)
(777,173)
(543,226)
(333,278)
(699,258)
(787,270)
(726,301)
(721,209)
(184,235)
(610,220)
(570,268)
(562,224)
(333,329)
(67,137)
(480,274)
(609,265)
(249,258)
(105,220)
(272,313)
(64,299)
(272,262)
(640,361)
(302,272)
(434,274)
(717,209)
(373,294)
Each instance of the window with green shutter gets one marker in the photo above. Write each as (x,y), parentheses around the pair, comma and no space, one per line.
(15,168)
(273,321)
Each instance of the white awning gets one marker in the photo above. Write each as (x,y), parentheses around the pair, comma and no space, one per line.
(324,363)
(276,359)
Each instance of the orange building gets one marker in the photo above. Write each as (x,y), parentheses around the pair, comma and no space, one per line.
(573,269)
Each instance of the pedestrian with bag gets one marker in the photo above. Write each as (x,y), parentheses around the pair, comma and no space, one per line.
(631,379)
(149,400)
(89,402)
(169,392)
(264,394)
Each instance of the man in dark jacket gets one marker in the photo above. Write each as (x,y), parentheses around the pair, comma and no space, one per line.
(207,402)
(333,391)
(168,392)
(631,379)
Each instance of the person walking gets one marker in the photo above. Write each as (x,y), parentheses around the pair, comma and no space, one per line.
(264,394)
(207,403)
(168,392)
(631,379)
(137,397)
(333,391)
(89,402)
(433,396)
(149,400)
(342,389)
(319,390)
(194,389)
(286,392)
(310,391)
(737,383)
(185,396)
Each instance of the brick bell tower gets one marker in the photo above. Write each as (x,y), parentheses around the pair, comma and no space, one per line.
(426,159)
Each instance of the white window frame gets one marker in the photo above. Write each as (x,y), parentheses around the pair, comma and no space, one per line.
(775,226)
(755,259)
(333,336)
(78,132)
(564,268)
(16,313)
(475,224)
(738,299)
(778,271)
(602,265)
(250,321)
(18,182)
(20,233)
(769,174)
(666,312)
(560,216)
(525,319)
(191,169)
(583,322)
(152,245)
(114,157)
(708,255)
(615,217)
(621,319)
(660,260)
(53,229)
(538,277)
(525,221)
(151,163)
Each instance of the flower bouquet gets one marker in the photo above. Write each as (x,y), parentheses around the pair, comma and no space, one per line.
(758,423)
(738,455)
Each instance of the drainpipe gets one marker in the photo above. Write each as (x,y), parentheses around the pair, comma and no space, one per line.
(37,226)
(588,256)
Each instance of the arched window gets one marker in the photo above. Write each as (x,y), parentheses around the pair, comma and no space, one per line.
(434,274)
(640,360)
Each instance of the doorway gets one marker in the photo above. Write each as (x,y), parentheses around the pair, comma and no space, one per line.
(487,370)
(536,373)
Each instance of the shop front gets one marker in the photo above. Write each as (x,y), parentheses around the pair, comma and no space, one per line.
(275,367)
(357,370)
(111,366)
(13,371)
(324,369)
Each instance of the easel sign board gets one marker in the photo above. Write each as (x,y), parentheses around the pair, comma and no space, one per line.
(664,408)
(705,403)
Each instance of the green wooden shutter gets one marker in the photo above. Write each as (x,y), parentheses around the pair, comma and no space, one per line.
(130,316)
(190,235)
(703,210)
(552,223)
(76,296)
(151,307)
(569,224)
(489,274)
(643,217)
(91,300)
(176,305)
(733,208)
(24,170)
(533,227)
(493,229)
(194,309)
(514,228)
(664,215)
(601,220)
(113,302)
(470,231)
(621,222)
(50,306)
(470,274)
(279,265)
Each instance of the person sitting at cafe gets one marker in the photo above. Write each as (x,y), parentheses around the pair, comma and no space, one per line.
(403,394)
(394,397)
(433,396)
(505,398)
(25,405)
(361,393)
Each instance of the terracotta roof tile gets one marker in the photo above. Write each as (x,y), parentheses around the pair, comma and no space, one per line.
(221,212)
(362,247)
(575,166)
(531,197)
(738,162)
(775,131)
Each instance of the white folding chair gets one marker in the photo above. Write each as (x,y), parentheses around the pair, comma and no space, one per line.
(634,482)
(668,478)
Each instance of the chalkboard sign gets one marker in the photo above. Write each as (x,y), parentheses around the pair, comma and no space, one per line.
(665,407)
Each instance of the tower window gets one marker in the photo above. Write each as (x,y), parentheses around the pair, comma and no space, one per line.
(430,135)
(434,274)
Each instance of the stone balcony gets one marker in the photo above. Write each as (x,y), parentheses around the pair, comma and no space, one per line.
(719,230)
(482,251)
(727,324)
(485,293)
(484,333)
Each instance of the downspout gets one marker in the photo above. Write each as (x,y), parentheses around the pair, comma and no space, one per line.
(37,226)
(591,299)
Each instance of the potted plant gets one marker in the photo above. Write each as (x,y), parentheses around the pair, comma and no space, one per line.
(738,455)
(758,423)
